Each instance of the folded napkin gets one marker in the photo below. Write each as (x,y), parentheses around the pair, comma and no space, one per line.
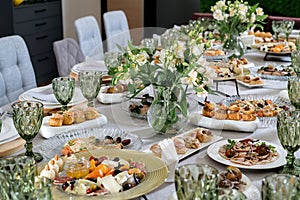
(50,98)
(169,155)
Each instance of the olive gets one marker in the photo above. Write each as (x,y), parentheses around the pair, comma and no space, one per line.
(127,186)
(126,142)
(65,185)
(119,140)
(109,137)
(117,171)
(229,152)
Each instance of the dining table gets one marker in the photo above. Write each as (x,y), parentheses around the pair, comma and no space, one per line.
(118,118)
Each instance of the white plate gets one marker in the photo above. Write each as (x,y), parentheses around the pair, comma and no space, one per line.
(213,153)
(105,98)
(48,131)
(8,131)
(98,65)
(198,119)
(192,151)
(55,144)
(46,91)
(249,85)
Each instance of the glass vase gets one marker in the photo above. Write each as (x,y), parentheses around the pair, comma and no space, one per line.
(169,110)
(234,45)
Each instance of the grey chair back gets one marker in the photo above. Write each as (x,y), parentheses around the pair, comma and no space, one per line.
(89,37)
(67,53)
(16,70)
(116,29)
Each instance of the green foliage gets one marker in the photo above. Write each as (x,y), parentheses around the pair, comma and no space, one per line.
(271,7)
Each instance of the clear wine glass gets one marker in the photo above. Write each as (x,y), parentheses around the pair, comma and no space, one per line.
(63,89)
(90,84)
(288,26)
(28,117)
(288,128)
(294,91)
(277,28)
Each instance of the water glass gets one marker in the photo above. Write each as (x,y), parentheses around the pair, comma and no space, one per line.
(288,128)
(42,189)
(294,91)
(17,175)
(288,26)
(28,118)
(295,58)
(277,27)
(90,83)
(280,186)
(150,43)
(193,180)
(224,194)
(112,59)
(63,89)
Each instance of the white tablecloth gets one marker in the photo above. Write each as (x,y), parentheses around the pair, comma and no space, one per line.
(117,117)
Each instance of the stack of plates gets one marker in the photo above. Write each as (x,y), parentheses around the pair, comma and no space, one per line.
(45,95)
(10,141)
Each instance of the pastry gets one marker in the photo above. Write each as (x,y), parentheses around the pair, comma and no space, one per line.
(221,112)
(59,162)
(156,149)
(179,145)
(91,113)
(47,172)
(204,135)
(68,117)
(234,115)
(191,142)
(79,116)
(56,120)
(53,166)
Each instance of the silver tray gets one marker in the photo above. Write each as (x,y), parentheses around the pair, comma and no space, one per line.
(54,145)
(271,77)
(264,121)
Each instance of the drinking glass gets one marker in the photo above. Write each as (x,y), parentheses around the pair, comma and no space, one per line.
(288,128)
(193,180)
(28,117)
(277,28)
(150,43)
(288,26)
(90,83)
(295,58)
(294,91)
(42,189)
(63,89)
(224,193)
(280,186)
(112,59)
(17,175)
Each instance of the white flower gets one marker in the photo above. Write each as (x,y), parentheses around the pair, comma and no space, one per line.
(259,11)
(253,18)
(232,12)
(220,4)
(218,15)
(181,47)
(243,9)
(191,79)
(197,50)
(142,58)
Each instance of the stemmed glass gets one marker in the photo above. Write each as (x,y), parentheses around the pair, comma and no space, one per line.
(28,117)
(288,128)
(63,89)
(90,83)
(294,91)
(277,28)
(287,27)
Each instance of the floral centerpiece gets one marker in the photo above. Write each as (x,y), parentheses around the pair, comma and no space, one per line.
(167,71)
(234,18)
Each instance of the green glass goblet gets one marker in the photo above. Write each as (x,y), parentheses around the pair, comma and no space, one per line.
(28,117)
(288,128)
(280,186)
(63,89)
(90,84)
(224,193)
(295,58)
(17,175)
(193,180)
(294,91)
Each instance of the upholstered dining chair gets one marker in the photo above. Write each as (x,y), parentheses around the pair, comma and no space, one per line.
(67,53)
(116,29)
(16,70)
(89,37)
